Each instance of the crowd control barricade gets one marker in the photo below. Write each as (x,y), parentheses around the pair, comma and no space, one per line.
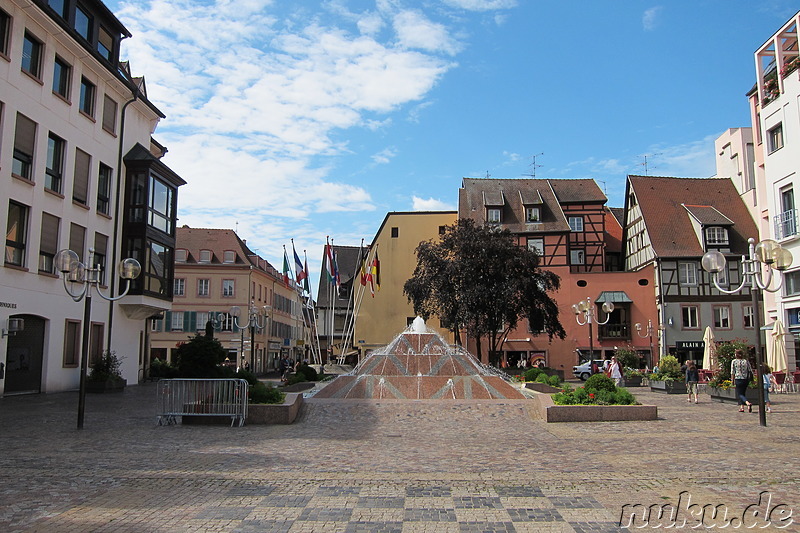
(202,397)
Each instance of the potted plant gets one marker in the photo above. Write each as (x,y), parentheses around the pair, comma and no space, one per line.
(105,375)
(668,378)
(633,378)
(720,387)
(630,361)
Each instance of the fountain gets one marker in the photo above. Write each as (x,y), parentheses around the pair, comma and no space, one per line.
(419,364)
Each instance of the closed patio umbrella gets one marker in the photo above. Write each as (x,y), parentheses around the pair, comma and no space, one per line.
(709,352)
(776,352)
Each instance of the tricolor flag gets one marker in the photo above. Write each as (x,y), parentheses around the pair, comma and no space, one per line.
(374,275)
(362,264)
(299,272)
(285,267)
(329,271)
(306,286)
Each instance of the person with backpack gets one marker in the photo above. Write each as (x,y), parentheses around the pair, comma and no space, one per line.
(692,378)
(741,374)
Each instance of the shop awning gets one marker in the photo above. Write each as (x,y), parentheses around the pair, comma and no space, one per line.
(615,297)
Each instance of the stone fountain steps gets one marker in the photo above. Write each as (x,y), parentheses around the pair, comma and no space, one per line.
(420,388)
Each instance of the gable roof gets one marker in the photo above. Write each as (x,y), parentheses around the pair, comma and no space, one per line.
(218,241)
(663,203)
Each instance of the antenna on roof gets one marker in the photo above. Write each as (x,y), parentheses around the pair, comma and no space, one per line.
(237,227)
(533,165)
(487,174)
(605,189)
(645,164)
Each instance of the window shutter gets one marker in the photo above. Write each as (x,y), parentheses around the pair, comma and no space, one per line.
(25,136)
(80,189)
(187,322)
(100,244)
(157,324)
(49,244)
(168,321)
(109,114)
(77,238)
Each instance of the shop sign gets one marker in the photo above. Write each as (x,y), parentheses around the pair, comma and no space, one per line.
(690,345)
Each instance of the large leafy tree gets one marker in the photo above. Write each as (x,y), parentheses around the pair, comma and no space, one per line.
(479,279)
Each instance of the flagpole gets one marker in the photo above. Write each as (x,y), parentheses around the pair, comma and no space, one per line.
(348,316)
(313,306)
(357,293)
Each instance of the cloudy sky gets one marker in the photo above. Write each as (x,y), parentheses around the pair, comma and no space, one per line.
(304,119)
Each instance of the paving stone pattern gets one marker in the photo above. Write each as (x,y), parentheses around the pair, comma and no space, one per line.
(382,466)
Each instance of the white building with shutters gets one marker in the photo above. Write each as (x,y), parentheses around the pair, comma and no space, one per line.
(79,170)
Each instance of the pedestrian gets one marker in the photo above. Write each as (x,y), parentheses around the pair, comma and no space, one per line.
(615,372)
(741,374)
(595,368)
(769,382)
(692,378)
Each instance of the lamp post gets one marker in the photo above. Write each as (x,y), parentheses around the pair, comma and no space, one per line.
(74,271)
(648,333)
(587,309)
(256,318)
(757,271)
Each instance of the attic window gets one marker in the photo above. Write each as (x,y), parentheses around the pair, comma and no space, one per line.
(205,256)
(716,235)
(532,214)
(229,256)
(493,216)
(180,255)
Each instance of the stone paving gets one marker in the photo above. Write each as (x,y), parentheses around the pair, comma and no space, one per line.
(389,466)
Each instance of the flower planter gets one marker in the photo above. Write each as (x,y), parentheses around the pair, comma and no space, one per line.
(110,385)
(278,413)
(669,387)
(729,395)
(549,412)
(634,381)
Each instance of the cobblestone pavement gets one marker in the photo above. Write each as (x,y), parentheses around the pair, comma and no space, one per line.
(388,466)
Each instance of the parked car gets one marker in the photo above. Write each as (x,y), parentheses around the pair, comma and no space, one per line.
(584,370)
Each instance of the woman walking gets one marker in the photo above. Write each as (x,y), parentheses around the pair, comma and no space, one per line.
(741,373)
(692,377)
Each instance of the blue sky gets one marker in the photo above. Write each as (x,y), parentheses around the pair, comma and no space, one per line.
(304,119)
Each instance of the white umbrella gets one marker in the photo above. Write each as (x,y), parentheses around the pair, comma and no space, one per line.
(709,352)
(776,349)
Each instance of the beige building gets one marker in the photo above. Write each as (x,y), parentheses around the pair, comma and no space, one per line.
(382,317)
(215,271)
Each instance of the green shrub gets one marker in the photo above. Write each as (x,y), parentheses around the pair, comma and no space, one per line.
(297,377)
(553,381)
(584,396)
(162,369)
(246,374)
(260,393)
(628,358)
(532,373)
(600,382)
(669,367)
(201,357)
(543,378)
(107,368)
(308,372)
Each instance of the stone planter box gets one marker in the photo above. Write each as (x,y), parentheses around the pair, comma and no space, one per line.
(106,386)
(729,396)
(669,387)
(281,413)
(635,381)
(541,387)
(549,412)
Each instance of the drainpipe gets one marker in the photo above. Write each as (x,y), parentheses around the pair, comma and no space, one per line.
(117,224)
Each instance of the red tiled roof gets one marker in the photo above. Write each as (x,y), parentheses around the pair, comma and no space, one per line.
(662,199)
(218,241)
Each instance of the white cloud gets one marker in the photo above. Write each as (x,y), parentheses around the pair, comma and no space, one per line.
(414,30)
(430,204)
(650,18)
(384,156)
(481,5)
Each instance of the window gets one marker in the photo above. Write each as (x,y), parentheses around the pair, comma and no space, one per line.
(16,234)
(205,256)
(716,235)
(59,6)
(687,274)
(96,343)
(689,317)
(83,23)
(80,185)
(77,238)
(532,214)
(576,257)
(576,223)
(179,288)
(5,31)
(747,314)
(86,103)
(62,74)
(72,343)
(442,230)
(161,205)
(109,114)
(202,319)
(227,287)
(157,324)
(180,255)
(48,243)
(105,43)
(228,256)
(722,317)
(775,138)
(55,163)
(32,55)
(103,189)
(177,321)
(100,254)
(24,142)
(395,233)
(536,245)
(226,322)
(791,283)
(202,287)
(493,216)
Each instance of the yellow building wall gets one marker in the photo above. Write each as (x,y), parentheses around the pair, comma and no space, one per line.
(382,318)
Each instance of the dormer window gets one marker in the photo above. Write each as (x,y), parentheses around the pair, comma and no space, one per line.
(493,216)
(716,236)
(180,255)
(205,256)
(533,214)
(229,256)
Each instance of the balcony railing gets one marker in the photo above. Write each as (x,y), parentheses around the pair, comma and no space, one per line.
(786,224)
(614,331)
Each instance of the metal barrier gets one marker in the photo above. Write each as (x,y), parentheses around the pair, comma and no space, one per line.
(202,397)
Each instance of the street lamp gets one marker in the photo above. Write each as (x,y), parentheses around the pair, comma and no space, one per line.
(258,317)
(587,309)
(648,333)
(757,270)
(74,271)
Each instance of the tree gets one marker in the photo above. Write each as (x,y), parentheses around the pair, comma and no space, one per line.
(478,279)
(201,357)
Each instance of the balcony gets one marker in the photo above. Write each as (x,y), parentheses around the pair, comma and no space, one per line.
(614,331)
(785,224)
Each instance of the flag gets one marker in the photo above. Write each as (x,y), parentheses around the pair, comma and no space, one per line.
(329,264)
(336,279)
(306,286)
(374,276)
(285,267)
(299,273)
(362,265)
